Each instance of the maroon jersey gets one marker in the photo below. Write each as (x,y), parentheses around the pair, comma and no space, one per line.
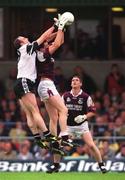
(77,105)
(45,65)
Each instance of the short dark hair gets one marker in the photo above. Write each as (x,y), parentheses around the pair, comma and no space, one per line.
(17,43)
(81,80)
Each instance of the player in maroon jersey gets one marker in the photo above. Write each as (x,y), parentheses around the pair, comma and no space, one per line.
(46,89)
(80,109)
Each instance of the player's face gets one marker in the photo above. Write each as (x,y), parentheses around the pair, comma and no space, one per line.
(76,83)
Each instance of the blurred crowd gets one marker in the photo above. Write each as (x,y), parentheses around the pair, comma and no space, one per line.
(88,47)
(108,127)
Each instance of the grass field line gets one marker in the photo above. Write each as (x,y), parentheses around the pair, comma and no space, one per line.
(60,176)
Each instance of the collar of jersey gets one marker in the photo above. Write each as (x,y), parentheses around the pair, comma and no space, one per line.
(80,92)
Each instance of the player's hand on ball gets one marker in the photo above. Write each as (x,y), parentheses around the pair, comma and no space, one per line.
(70,17)
(80,118)
(66,19)
(62,22)
(57,20)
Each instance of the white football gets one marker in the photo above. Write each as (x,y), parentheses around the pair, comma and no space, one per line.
(70,16)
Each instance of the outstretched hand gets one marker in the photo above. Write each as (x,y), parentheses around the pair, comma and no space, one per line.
(57,20)
(80,118)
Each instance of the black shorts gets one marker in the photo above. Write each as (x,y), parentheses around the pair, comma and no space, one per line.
(23,86)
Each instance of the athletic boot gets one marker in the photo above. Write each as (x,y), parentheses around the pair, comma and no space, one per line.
(51,138)
(53,169)
(41,143)
(55,148)
(103,168)
(68,142)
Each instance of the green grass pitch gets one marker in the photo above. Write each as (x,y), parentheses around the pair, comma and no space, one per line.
(60,176)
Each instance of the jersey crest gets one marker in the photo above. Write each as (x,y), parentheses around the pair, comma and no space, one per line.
(80,101)
(68,99)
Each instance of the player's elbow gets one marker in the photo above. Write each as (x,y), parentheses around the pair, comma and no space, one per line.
(57,44)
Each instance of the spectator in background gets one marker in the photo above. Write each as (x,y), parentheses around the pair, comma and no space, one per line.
(99,109)
(101,43)
(122,115)
(67,53)
(122,101)
(2,129)
(89,85)
(114,80)
(100,126)
(85,46)
(120,122)
(17,134)
(3,107)
(81,151)
(115,96)
(106,102)
(80,33)
(121,153)
(8,153)
(2,144)
(119,126)
(112,113)
(10,95)
(14,109)
(24,152)
(98,96)
(88,47)
(11,79)
(111,127)
(43,154)
(106,151)
(9,122)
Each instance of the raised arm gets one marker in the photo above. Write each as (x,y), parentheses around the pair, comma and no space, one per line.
(45,35)
(59,40)
(52,37)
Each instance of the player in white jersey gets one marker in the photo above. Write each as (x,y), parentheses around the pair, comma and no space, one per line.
(80,109)
(24,87)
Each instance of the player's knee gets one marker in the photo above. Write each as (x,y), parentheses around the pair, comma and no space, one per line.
(54,119)
(30,125)
(34,108)
(65,110)
(91,146)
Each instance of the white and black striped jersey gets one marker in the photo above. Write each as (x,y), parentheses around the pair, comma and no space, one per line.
(27,61)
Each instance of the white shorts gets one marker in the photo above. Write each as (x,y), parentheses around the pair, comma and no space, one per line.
(77,131)
(46,89)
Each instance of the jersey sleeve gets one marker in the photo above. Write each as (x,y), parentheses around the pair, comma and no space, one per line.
(32,47)
(40,56)
(90,105)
